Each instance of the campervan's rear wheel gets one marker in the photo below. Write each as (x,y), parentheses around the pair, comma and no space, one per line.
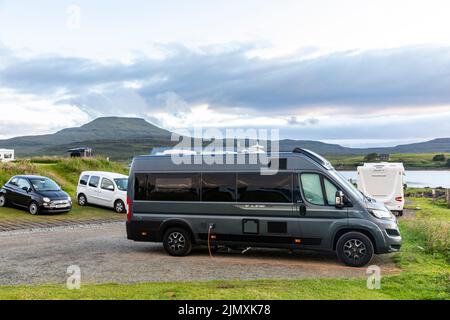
(177,242)
(354,249)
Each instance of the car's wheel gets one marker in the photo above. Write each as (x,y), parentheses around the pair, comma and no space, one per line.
(82,200)
(355,249)
(33,208)
(177,242)
(3,201)
(119,206)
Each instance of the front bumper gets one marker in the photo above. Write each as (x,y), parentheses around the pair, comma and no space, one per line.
(56,206)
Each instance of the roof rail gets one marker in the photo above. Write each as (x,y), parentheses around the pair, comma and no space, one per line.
(314,156)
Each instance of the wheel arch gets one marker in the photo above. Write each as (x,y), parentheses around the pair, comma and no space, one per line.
(172,223)
(365,232)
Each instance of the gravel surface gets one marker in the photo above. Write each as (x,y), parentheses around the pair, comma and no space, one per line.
(105,255)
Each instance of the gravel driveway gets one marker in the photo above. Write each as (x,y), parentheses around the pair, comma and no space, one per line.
(105,255)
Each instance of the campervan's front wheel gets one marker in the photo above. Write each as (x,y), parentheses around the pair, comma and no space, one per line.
(354,249)
(177,242)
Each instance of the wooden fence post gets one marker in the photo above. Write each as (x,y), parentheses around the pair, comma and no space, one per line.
(447,197)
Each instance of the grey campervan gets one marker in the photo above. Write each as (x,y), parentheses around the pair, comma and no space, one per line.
(307,204)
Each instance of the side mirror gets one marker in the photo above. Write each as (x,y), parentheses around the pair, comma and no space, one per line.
(340,200)
(26,189)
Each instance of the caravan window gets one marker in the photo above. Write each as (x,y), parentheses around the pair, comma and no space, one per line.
(167,187)
(220,187)
(254,187)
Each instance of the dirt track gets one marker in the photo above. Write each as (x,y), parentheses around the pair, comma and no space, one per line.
(105,255)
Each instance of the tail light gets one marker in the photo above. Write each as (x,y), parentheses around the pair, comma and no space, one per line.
(129,203)
(399,199)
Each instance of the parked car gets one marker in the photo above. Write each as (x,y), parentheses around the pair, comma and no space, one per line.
(37,194)
(105,189)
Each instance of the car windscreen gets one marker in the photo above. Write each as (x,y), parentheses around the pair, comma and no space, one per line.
(44,184)
(122,184)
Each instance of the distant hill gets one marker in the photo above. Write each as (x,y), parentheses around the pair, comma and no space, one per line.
(103,134)
(122,138)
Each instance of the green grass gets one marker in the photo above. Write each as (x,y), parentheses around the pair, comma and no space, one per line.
(418,161)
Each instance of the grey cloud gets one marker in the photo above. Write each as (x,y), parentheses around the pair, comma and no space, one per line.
(382,79)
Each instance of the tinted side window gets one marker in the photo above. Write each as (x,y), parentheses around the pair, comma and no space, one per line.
(254,187)
(312,188)
(219,187)
(94,181)
(84,180)
(173,187)
(140,186)
(107,184)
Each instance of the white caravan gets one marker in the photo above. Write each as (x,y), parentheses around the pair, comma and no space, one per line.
(6,155)
(384,182)
(105,189)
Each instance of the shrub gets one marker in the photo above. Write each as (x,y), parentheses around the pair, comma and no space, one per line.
(439,157)
(433,234)
(447,164)
(371,157)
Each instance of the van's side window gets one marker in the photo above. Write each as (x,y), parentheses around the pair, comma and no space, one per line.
(94,181)
(219,187)
(173,187)
(140,186)
(312,188)
(84,180)
(254,187)
(330,190)
(107,184)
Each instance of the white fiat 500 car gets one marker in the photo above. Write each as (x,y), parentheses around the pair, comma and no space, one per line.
(105,189)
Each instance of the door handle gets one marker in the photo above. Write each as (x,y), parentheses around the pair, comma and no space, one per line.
(302,209)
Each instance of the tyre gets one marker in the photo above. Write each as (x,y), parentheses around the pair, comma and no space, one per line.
(33,208)
(354,249)
(119,206)
(3,201)
(177,242)
(82,200)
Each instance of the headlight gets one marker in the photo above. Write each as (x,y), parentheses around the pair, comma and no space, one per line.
(46,199)
(69,199)
(380,214)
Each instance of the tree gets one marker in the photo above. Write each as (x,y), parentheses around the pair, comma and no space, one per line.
(371,157)
(439,157)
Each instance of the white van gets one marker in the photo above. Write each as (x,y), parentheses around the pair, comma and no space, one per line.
(384,182)
(105,189)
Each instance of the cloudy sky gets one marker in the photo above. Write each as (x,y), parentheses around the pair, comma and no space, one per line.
(358,73)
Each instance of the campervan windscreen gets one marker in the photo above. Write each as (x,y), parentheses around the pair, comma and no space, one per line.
(355,192)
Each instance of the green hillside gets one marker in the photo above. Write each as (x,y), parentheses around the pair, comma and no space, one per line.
(409,160)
